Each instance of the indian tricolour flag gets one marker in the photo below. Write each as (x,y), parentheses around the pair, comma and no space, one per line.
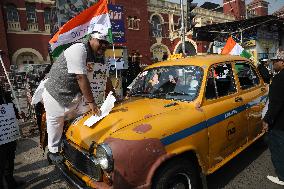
(233,48)
(95,18)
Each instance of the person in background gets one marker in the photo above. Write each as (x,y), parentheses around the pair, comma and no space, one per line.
(39,108)
(273,120)
(131,73)
(165,56)
(264,71)
(67,92)
(8,150)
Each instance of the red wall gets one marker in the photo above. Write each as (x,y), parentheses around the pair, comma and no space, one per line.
(3,42)
(17,40)
(136,39)
(35,41)
(237,8)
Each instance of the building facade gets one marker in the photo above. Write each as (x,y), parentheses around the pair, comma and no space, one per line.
(236,8)
(26,29)
(257,8)
(165,23)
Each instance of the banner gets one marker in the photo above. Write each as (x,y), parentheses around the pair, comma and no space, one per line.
(117,23)
(9,129)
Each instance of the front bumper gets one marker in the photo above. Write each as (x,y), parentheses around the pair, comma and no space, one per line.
(77,183)
(72,179)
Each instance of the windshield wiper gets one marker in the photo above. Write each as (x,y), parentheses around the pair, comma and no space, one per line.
(137,93)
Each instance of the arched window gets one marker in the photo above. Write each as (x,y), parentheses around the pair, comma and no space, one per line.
(156,26)
(130,22)
(136,24)
(31,13)
(12,13)
(177,25)
(47,13)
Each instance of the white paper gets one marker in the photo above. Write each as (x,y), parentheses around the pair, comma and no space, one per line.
(9,129)
(105,109)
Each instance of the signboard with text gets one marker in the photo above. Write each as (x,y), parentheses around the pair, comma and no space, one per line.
(117,23)
(9,129)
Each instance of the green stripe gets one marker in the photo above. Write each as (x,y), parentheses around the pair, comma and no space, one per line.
(59,50)
(110,36)
(245,54)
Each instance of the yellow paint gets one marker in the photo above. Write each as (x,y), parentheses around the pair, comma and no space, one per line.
(175,56)
(118,53)
(211,145)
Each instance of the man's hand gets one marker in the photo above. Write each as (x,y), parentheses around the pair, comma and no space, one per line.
(95,109)
(264,126)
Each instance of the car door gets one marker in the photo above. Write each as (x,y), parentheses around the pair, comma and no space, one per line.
(253,93)
(224,111)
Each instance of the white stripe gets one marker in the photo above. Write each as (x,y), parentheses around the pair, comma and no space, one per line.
(99,23)
(237,50)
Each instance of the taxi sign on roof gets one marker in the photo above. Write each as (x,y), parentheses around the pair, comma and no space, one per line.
(175,56)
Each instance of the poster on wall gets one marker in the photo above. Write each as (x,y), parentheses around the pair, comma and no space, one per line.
(97,75)
(9,129)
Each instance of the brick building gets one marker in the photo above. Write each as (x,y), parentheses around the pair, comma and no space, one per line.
(257,8)
(25,31)
(151,28)
(236,8)
(165,22)
(136,27)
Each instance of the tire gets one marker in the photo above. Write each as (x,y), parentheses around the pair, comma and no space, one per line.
(176,174)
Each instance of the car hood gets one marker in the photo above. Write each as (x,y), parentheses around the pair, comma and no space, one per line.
(122,116)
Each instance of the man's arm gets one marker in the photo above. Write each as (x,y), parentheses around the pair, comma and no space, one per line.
(276,101)
(85,87)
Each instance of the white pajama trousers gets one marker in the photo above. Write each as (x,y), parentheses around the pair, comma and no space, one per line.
(55,116)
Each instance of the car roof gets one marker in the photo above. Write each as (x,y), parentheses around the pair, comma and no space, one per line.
(199,60)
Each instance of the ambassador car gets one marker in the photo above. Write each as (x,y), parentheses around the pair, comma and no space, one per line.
(184,119)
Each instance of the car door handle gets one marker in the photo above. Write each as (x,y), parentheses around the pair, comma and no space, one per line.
(238,99)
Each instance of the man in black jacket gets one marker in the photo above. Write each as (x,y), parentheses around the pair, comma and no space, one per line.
(274,119)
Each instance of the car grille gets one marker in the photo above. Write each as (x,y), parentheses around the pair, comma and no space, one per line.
(81,161)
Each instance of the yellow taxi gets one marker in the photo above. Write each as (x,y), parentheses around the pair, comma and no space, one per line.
(184,119)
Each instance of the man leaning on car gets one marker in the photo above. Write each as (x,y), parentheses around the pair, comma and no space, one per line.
(274,119)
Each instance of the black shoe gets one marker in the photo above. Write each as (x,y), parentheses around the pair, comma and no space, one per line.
(54,158)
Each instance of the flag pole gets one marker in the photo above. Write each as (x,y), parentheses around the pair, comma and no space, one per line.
(114,60)
(12,90)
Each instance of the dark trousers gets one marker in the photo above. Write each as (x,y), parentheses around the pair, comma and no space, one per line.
(276,147)
(7,156)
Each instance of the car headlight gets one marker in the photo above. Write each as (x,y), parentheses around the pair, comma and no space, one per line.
(104,157)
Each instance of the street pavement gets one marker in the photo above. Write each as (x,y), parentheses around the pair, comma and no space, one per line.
(247,171)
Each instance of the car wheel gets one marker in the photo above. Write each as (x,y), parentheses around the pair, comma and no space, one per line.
(178,174)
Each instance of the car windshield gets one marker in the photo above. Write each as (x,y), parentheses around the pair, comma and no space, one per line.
(171,82)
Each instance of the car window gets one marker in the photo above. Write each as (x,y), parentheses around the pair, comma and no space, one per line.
(247,75)
(169,82)
(220,81)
